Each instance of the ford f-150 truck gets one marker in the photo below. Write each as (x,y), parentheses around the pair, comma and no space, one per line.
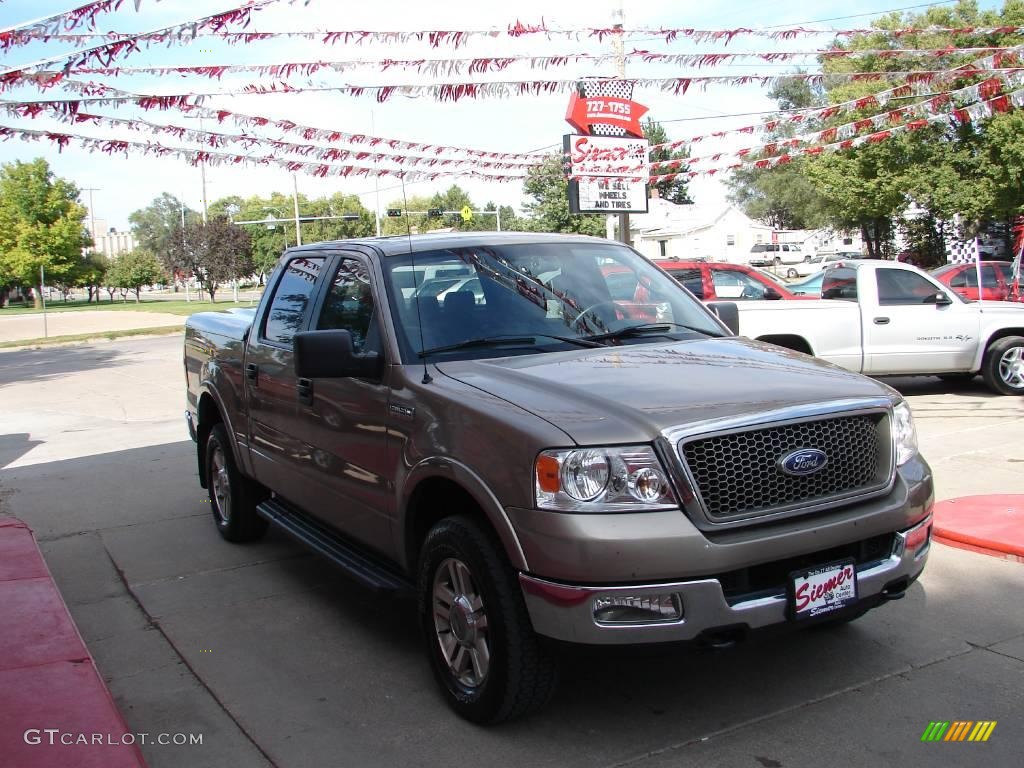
(542,463)
(884,318)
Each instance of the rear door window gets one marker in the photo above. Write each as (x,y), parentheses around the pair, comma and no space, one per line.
(292,297)
(691,280)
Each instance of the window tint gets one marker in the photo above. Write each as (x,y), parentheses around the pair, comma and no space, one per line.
(349,306)
(896,286)
(968,278)
(840,283)
(1006,270)
(291,299)
(691,280)
(731,284)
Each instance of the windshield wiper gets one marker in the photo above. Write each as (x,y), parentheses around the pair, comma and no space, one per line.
(645,328)
(494,341)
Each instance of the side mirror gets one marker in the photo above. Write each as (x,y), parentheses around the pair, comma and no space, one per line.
(772,294)
(939,299)
(728,313)
(329,355)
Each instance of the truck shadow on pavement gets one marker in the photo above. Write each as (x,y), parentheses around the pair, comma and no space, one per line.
(311,666)
(42,364)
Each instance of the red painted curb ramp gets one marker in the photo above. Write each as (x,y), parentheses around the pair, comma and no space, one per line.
(48,680)
(992,525)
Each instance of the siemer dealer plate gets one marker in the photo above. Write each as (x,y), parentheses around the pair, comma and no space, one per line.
(822,590)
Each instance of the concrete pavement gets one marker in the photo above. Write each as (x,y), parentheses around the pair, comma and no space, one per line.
(278,660)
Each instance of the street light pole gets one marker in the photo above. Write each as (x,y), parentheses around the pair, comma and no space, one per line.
(295,200)
(202,175)
(618,17)
(42,297)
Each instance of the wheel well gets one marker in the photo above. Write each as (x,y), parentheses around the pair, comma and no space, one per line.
(208,415)
(789,341)
(1002,333)
(432,500)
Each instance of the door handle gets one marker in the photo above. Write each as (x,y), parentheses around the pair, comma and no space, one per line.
(252,371)
(304,389)
(881,321)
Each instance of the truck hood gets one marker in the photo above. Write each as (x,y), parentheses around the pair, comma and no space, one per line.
(631,393)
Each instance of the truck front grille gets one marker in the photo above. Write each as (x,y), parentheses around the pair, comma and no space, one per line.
(738,475)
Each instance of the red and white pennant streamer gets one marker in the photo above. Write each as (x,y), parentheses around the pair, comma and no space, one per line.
(57,23)
(454,39)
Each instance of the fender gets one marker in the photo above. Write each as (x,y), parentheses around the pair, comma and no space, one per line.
(987,335)
(207,386)
(471,482)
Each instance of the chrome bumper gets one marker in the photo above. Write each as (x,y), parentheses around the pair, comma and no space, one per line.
(566,612)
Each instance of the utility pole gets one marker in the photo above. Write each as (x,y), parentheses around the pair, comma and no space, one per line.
(92,212)
(181,207)
(376,181)
(42,297)
(202,175)
(618,48)
(295,200)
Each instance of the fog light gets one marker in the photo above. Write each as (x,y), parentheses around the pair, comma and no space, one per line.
(637,609)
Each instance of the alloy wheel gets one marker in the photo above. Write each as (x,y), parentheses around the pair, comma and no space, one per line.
(1011,367)
(221,482)
(460,623)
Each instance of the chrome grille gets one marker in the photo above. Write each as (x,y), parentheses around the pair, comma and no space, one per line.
(737,474)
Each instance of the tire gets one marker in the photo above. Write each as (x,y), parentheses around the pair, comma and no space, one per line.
(777,260)
(464,577)
(233,497)
(1003,367)
(791,273)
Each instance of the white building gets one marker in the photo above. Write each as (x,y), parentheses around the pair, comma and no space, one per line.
(715,233)
(109,241)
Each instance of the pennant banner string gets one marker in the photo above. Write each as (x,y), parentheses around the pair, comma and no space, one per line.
(57,23)
(460,38)
(436,67)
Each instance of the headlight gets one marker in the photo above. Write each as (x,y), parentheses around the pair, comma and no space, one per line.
(904,436)
(602,480)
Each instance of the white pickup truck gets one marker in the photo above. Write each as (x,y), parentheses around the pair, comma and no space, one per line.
(884,318)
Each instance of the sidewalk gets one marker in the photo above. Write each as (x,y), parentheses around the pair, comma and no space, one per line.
(30,326)
(49,687)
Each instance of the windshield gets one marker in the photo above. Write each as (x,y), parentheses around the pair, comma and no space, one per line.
(536,297)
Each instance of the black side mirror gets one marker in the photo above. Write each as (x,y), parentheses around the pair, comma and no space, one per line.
(329,355)
(771,294)
(728,313)
(939,299)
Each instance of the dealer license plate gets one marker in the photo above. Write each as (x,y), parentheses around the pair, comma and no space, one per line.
(822,590)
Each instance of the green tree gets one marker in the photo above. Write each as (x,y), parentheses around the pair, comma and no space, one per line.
(674,191)
(155,225)
(135,269)
(40,224)
(91,272)
(215,253)
(548,208)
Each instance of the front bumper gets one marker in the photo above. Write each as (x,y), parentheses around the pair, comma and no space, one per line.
(566,612)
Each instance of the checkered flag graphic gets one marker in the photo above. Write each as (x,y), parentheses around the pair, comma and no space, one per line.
(619,89)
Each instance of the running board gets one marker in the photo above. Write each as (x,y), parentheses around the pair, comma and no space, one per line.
(370,571)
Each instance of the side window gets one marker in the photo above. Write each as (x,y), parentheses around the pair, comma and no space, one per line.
(691,280)
(959,280)
(291,299)
(896,287)
(730,284)
(349,306)
(840,283)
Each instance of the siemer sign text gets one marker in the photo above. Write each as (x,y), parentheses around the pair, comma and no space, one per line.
(608,173)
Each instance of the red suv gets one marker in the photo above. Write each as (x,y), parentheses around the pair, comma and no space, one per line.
(711,280)
(996,280)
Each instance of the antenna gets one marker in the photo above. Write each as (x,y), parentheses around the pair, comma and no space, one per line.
(415,294)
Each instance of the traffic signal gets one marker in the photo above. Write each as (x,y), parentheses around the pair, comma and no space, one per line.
(435,213)
(394,213)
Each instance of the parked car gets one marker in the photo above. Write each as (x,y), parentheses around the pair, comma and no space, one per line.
(810,286)
(763,254)
(826,260)
(540,467)
(894,319)
(996,279)
(718,280)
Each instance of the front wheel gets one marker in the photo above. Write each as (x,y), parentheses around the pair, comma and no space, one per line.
(482,648)
(1003,367)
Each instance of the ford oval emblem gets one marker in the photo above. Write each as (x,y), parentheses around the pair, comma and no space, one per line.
(806,461)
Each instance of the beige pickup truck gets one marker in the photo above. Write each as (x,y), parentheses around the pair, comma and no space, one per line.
(480,421)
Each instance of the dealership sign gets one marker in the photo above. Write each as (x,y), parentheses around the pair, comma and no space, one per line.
(608,174)
(605,110)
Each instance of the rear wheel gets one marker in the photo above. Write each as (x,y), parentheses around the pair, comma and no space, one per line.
(1003,367)
(482,648)
(232,496)
(777,260)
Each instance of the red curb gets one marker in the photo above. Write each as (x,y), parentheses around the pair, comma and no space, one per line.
(992,525)
(48,679)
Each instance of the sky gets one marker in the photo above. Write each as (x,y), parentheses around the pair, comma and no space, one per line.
(520,124)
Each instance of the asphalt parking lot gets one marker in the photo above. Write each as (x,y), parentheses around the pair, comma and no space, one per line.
(278,660)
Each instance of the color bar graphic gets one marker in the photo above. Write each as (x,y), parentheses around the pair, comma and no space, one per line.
(958,730)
